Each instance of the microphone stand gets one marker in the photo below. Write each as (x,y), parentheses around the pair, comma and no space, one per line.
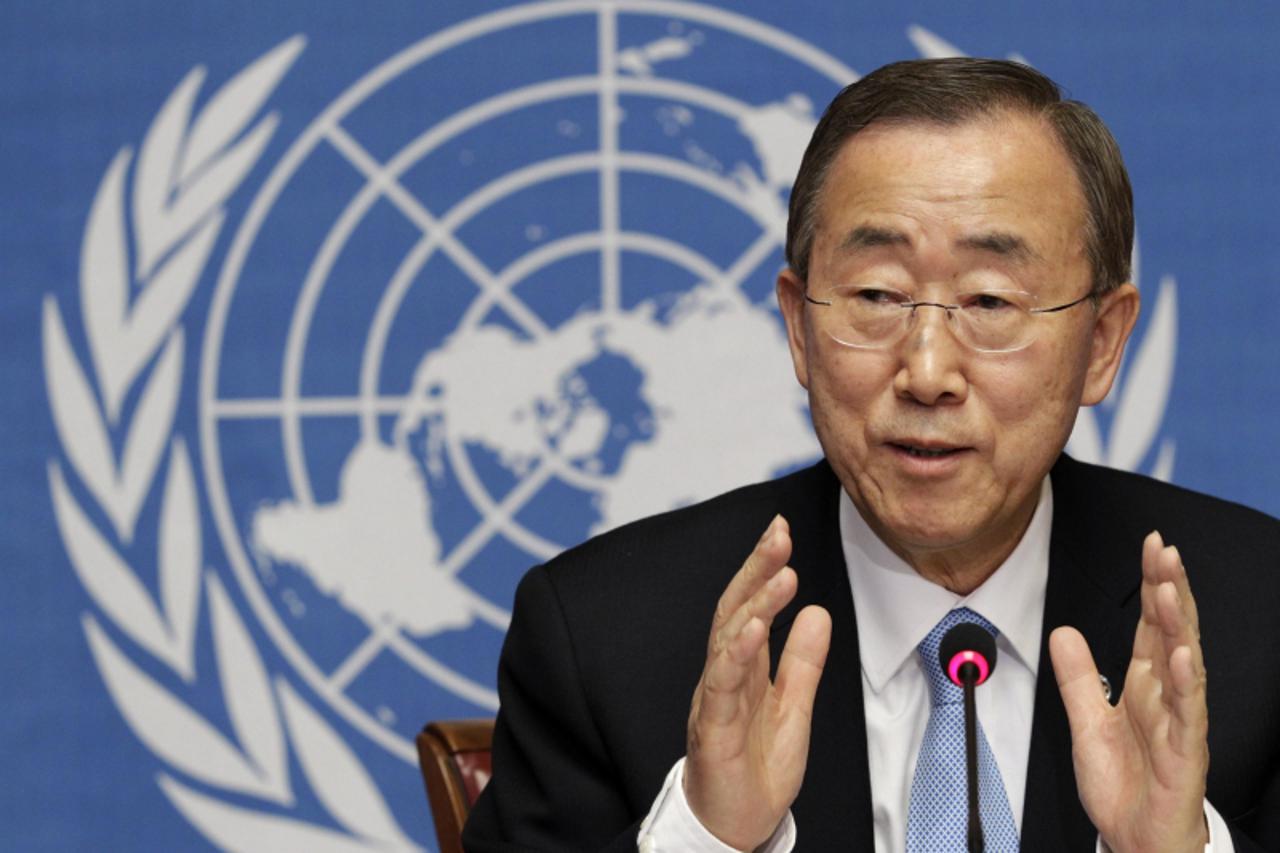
(969,674)
(967,654)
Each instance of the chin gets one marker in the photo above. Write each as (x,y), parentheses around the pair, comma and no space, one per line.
(930,523)
(928,534)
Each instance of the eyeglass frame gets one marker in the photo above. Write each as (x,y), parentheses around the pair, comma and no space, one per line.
(912,306)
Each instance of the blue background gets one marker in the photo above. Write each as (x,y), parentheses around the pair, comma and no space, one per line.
(1191,92)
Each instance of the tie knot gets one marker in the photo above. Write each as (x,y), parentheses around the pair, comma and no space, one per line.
(941,689)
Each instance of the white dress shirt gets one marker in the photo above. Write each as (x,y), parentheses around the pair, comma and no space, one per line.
(895,609)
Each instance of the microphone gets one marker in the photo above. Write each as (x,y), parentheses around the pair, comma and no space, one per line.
(968,657)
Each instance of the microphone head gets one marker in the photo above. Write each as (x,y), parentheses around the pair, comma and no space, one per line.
(967,643)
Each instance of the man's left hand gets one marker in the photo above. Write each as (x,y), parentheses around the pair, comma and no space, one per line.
(1141,765)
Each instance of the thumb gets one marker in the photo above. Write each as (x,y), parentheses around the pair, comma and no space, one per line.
(803,659)
(1078,679)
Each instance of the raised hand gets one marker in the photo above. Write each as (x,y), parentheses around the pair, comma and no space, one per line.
(748,736)
(1141,765)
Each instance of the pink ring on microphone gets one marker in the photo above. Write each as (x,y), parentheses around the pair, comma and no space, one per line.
(961,658)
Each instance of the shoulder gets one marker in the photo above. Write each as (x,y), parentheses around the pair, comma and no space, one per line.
(1107,499)
(664,573)
(697,547)
(1231,552)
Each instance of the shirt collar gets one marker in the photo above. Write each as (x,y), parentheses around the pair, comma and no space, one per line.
(896,607)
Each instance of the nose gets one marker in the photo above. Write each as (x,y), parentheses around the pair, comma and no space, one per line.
(932,360)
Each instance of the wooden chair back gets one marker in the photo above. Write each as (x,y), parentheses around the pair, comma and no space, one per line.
(455,760)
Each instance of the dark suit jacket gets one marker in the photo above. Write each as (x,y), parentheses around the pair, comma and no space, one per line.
(608,640)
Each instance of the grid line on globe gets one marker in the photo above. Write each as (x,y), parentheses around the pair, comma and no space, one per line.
(432,493)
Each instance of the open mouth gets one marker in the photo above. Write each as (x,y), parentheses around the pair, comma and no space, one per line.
(926,452)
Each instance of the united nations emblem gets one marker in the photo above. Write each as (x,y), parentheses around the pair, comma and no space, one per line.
(470,318)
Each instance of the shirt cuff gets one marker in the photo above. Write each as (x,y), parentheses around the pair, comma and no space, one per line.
(672,827)
(1219,835)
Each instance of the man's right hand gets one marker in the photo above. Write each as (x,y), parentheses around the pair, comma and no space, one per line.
(749,736)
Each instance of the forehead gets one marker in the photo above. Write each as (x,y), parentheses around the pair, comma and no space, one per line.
(1003,173)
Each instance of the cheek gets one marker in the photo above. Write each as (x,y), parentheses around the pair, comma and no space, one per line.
(1016,395)
(1032,398)
(851,379)
(844,390)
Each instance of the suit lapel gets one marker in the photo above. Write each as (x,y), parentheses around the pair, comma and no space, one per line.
(1093,585)
(835,805)
(833,810)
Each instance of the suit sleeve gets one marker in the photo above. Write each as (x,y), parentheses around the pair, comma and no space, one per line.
(554,785)
(1259,830)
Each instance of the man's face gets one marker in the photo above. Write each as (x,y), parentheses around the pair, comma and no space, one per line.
(943,448)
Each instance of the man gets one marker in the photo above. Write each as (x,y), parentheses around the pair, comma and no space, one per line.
(957,287)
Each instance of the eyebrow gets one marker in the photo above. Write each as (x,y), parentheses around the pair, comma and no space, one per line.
(1000,243)
(871,237)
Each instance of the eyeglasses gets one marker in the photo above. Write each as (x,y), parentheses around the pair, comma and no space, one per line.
(986,321)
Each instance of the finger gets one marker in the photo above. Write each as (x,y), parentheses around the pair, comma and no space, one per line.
(1184,684)
(1078,680)
(1172,570)
(739,666)
(1147,645)
(1177,620)
(1143,704)
(722,697)
(803,659)
(769,555)
(739,646)
(1152,546)
(1163,564)
(1175,627)
(1150,697)
(1193,712)
(1189,727)
(763,605)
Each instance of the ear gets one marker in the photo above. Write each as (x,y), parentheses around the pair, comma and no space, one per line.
(1112,326)
(791,302)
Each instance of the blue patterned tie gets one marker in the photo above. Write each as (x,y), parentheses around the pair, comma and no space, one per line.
(938,817)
